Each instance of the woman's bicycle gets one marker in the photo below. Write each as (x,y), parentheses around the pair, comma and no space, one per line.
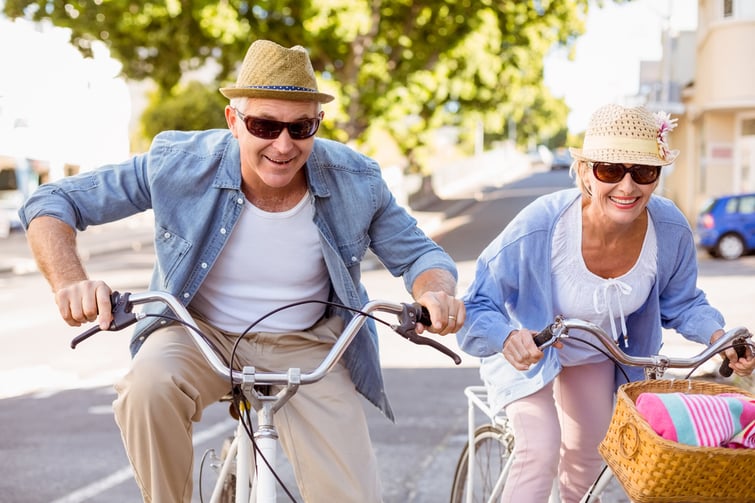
(487,456)
(246,465)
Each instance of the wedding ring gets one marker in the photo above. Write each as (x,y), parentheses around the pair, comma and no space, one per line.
(451,317)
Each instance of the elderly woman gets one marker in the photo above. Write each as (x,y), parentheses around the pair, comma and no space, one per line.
(610,252)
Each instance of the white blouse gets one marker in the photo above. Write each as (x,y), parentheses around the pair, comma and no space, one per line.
(579,293)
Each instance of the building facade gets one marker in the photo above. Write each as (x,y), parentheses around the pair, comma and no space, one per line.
(716,132)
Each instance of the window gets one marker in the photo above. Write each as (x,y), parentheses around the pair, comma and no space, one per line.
(747,204)
(737,9)
(728,6)
(8,179)
(748,127)
(731,205)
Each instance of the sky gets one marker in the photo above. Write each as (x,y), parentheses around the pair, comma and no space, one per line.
(80,110)
(56,105)
(607,58)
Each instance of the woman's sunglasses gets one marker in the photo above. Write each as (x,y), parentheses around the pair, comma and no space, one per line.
(608,172)
(269,129)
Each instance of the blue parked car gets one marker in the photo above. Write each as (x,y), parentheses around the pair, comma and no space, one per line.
(726,226)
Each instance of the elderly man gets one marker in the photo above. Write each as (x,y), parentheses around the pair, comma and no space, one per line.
(246,221)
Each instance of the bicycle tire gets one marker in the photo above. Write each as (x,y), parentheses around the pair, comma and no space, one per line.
(493,448)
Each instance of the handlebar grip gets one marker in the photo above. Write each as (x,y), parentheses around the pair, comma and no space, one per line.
(543,337)
(424,316)
(725,369)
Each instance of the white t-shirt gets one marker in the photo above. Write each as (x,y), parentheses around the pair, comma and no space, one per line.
(270,260)
(579,293)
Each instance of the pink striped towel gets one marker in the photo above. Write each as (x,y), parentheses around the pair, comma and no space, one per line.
(724,420)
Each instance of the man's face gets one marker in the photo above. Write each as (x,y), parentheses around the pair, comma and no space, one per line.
(272,163)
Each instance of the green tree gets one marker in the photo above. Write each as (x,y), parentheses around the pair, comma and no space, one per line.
(189,107)
(405,67)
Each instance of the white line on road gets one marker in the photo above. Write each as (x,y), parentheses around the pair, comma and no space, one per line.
(122,475)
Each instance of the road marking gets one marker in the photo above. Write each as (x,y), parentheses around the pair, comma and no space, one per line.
(35,380)
(124,474)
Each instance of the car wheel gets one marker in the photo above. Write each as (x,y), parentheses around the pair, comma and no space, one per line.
(730,247)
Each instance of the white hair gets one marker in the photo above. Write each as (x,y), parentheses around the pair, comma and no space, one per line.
(242,102)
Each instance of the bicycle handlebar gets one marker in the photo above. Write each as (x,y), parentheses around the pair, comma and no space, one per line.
(408,316)
(736,337)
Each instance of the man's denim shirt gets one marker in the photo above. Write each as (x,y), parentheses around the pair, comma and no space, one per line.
(192,182)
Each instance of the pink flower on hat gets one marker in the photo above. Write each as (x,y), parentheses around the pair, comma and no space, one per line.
(665,125)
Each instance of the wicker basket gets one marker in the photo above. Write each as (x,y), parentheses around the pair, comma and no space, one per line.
(653,469)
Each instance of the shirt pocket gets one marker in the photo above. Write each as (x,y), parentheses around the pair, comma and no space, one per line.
(170,249)
(354,252)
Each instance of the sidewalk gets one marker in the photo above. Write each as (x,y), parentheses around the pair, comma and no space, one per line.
(137,232)
(129,234)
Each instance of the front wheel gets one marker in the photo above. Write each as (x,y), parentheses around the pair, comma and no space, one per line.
(493,447)
(730,247)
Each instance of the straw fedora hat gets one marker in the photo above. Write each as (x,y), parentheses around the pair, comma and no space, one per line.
(272,71)
(627,135)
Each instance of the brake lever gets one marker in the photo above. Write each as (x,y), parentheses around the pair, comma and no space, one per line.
(122,317)
(412,314)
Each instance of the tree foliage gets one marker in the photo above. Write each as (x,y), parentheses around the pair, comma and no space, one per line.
(190,107)
(406,67)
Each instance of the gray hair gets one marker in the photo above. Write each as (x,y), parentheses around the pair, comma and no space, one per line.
(242,102)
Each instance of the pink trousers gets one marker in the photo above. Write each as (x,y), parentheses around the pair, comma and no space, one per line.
(557,431)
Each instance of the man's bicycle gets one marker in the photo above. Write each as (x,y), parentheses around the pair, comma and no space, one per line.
(487,456)
(247,461)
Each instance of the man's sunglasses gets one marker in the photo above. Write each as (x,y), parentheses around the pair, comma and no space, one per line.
(269,129)
(608,172)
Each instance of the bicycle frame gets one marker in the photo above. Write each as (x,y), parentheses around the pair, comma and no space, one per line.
(477,400)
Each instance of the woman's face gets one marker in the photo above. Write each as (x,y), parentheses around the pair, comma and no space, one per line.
(621,202)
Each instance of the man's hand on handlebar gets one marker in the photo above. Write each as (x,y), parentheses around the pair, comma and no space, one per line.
(446,311)
(520,349)
(84,302)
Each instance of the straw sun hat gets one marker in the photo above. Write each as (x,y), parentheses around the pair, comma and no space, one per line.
(627,135)
(272,71)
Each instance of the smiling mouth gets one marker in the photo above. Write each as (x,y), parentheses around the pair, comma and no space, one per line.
(281,162)
(624,201)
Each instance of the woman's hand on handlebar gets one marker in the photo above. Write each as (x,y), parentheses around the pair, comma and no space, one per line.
(520,349)
(84,302)
(741,365)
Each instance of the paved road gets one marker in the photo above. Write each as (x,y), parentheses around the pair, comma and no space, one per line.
(729,285)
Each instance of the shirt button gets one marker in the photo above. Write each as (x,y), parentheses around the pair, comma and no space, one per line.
(166,235)
(204,265)
(222,231)
(186,295)
(240,200)
(353,259)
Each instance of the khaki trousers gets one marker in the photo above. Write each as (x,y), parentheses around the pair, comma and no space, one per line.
(322,428)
